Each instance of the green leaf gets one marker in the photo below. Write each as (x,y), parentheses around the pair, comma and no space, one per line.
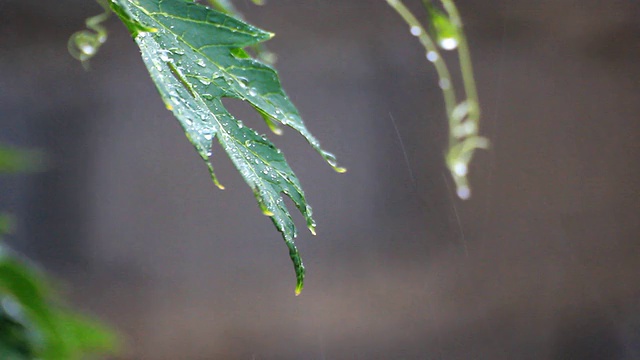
(41,325)
(195,57)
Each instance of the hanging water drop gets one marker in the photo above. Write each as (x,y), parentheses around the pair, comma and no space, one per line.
(464,192)
(449,43)
(432,56)
(415,30)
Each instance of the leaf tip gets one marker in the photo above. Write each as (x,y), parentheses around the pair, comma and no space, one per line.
(211,172)
(299,288)
(313,230)
(340,169)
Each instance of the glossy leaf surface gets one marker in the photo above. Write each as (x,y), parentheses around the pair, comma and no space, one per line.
(196,57)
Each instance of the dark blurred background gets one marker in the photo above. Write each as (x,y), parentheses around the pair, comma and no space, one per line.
(542,263)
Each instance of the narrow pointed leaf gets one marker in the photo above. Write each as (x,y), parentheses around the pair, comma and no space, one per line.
(195,57)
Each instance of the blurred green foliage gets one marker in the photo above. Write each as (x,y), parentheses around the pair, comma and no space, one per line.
(34,323)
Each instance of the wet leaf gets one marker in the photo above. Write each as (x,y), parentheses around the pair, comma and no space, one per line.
(196,57)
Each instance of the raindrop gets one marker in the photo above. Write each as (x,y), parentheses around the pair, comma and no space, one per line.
(415,30)
(464,192)
(201,63)
(449,43)
(163,55)
(432,56)
(204,81)
(445,84)
(460,169)
(253,92)
(177,51)
(88,49)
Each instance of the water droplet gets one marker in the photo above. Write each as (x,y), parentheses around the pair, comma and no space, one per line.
(201,63)
(460,169)
(208,136)
(415,30)
(432,56)
(88,49)
(445,84)
(253,92)
(464,192)
(449,43)
(204,81)
(163,55)
(207,96)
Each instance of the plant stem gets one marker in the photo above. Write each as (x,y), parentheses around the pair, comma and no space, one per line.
(445,81)
(463,117)
(466,66)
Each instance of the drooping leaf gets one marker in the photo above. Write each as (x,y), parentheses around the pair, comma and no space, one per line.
(195,57)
